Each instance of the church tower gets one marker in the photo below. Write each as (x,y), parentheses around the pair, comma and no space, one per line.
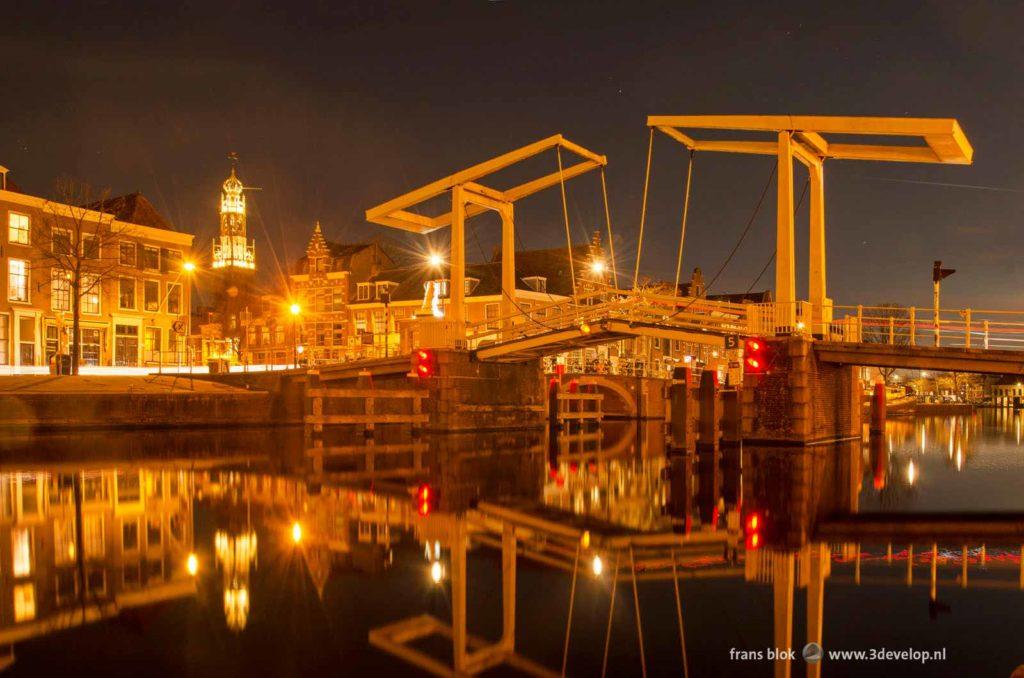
(232,249)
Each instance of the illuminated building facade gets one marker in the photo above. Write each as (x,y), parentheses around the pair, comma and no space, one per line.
(135,313)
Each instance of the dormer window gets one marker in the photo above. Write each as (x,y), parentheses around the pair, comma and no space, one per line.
(383,288)
(537,283)
(363,292)
(471,285)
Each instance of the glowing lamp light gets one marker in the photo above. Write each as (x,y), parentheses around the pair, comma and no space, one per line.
(436,572)
(296,532)
(911,473)
(188,266)
(435,260)
(597,566)
(295,309)
(597,267)
(585,540)
(800,324)
(584,328)
(300,349)
(192,564)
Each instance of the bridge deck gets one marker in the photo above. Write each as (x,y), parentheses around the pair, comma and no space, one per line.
(530,347)
(940,359)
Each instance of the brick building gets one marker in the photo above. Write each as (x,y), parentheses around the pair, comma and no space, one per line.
(135,310)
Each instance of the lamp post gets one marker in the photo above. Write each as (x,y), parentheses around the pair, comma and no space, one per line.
(295,310)
(386,298)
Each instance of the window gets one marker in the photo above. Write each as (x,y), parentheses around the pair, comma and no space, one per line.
(24,602)
(17,280)
(471,284)
(96,581)
(379,322)
(90,247)
(152,294)
(64,541)
(152,344)
(5,333)
(90,293)
(60,242)
(151,258)
(67,585)
(172,260)
(126,294)
(129,487)
(173,298)
(154,533)
(17,228)
(491,313)
(21,549)
(92,535)
(126,346)
(60,290)
(128,254)
(132,575)
(130,535)
(363,292)
(91,340)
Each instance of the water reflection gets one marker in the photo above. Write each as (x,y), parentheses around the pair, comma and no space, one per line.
(598,549)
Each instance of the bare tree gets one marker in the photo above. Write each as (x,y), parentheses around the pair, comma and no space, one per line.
(887,323)
(75,237)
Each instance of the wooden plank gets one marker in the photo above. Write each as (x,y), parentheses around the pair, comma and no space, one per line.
(381,393)
(368,419)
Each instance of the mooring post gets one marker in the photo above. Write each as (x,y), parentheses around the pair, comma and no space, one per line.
(679,408)
(731,418)
(878,410)
(710,410)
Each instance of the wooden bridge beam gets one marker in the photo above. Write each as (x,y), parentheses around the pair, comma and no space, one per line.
(785,273)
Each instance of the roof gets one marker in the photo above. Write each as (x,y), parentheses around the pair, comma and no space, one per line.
(133,208)
(552,264)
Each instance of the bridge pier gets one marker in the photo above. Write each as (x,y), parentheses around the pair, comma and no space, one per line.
(800,400)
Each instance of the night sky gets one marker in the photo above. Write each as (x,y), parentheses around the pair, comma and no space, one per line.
(335,107)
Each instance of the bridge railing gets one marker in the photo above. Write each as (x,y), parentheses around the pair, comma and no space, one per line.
(894,325)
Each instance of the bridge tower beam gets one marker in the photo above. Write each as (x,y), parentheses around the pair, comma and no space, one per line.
(817,288)
(785,260)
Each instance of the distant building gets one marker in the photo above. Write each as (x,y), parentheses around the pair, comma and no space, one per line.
(137,315)
(231,282)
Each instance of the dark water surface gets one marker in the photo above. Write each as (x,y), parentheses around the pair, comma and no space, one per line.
(301,550)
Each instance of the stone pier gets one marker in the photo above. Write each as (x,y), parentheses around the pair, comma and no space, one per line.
(800,400)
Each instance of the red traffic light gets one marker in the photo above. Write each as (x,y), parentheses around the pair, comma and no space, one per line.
(426,499)
(424,363)
(753,527)
(755,356)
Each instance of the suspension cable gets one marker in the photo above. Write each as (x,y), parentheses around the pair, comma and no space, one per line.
(608,221)
(565,213)
(768,263)
(682,228)
(643,209)
(753,216)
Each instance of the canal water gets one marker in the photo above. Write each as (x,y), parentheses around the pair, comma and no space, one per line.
(264,552)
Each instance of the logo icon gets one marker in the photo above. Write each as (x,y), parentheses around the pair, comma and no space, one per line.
(812,653)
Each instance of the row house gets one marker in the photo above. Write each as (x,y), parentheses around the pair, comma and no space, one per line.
(135,288)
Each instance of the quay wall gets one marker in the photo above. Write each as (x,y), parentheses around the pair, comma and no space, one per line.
(47,411)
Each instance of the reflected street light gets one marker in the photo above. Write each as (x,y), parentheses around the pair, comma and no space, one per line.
(192,564)
(296,532)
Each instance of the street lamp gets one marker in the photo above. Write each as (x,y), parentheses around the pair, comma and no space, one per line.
(295,310)
(597,267)
(435,260)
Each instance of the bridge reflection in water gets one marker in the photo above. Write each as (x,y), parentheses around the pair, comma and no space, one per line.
(596,551)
